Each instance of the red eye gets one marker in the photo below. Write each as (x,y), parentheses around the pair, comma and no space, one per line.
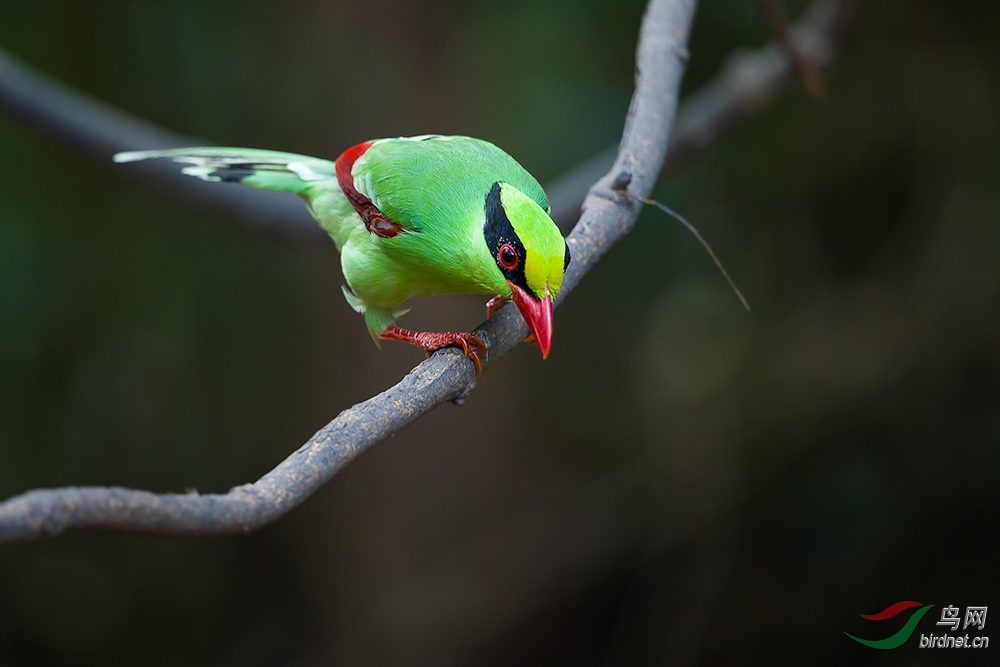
(507,257)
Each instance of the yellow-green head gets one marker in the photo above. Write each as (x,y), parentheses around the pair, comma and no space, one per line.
(530,254)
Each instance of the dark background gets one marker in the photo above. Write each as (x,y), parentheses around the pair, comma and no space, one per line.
(680,483)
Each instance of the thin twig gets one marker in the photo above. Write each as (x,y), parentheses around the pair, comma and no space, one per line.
(701,239)
(610,211)
(806,70)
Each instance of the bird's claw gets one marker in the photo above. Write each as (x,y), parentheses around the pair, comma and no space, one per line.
(470,343)
(429,341)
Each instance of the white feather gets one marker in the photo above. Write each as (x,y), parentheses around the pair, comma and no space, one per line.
(305,172)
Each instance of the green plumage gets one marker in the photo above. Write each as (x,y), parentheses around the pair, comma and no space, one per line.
(435,187)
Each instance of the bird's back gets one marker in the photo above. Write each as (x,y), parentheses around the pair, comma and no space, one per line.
(435,187)
(423,182)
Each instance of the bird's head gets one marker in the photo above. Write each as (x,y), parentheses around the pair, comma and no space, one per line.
(530,254)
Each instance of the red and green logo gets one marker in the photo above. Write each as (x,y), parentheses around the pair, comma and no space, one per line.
(904,633)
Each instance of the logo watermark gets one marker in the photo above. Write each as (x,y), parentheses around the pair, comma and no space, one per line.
(950,616)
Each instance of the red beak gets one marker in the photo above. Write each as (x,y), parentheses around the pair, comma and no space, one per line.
(537,313)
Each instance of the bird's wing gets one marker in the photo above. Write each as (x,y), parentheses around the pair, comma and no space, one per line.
(272,170)
(428,181)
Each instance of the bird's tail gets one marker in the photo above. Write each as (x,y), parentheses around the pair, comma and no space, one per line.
(272,170)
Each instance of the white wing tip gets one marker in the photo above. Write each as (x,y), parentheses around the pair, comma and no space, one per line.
(134,156)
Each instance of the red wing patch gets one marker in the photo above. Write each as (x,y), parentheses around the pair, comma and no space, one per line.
(375,221)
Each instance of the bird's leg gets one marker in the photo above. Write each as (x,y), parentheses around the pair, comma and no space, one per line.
(428,341)
(495,304)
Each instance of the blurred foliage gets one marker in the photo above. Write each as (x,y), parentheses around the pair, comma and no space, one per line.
(680,483)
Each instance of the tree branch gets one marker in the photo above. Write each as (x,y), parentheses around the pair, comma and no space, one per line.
(610,211)
(747,83)
(98,131)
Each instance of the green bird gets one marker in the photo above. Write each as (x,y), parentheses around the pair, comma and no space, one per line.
(414,216)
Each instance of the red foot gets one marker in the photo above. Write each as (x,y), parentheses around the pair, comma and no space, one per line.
(495,304)
(430,341)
